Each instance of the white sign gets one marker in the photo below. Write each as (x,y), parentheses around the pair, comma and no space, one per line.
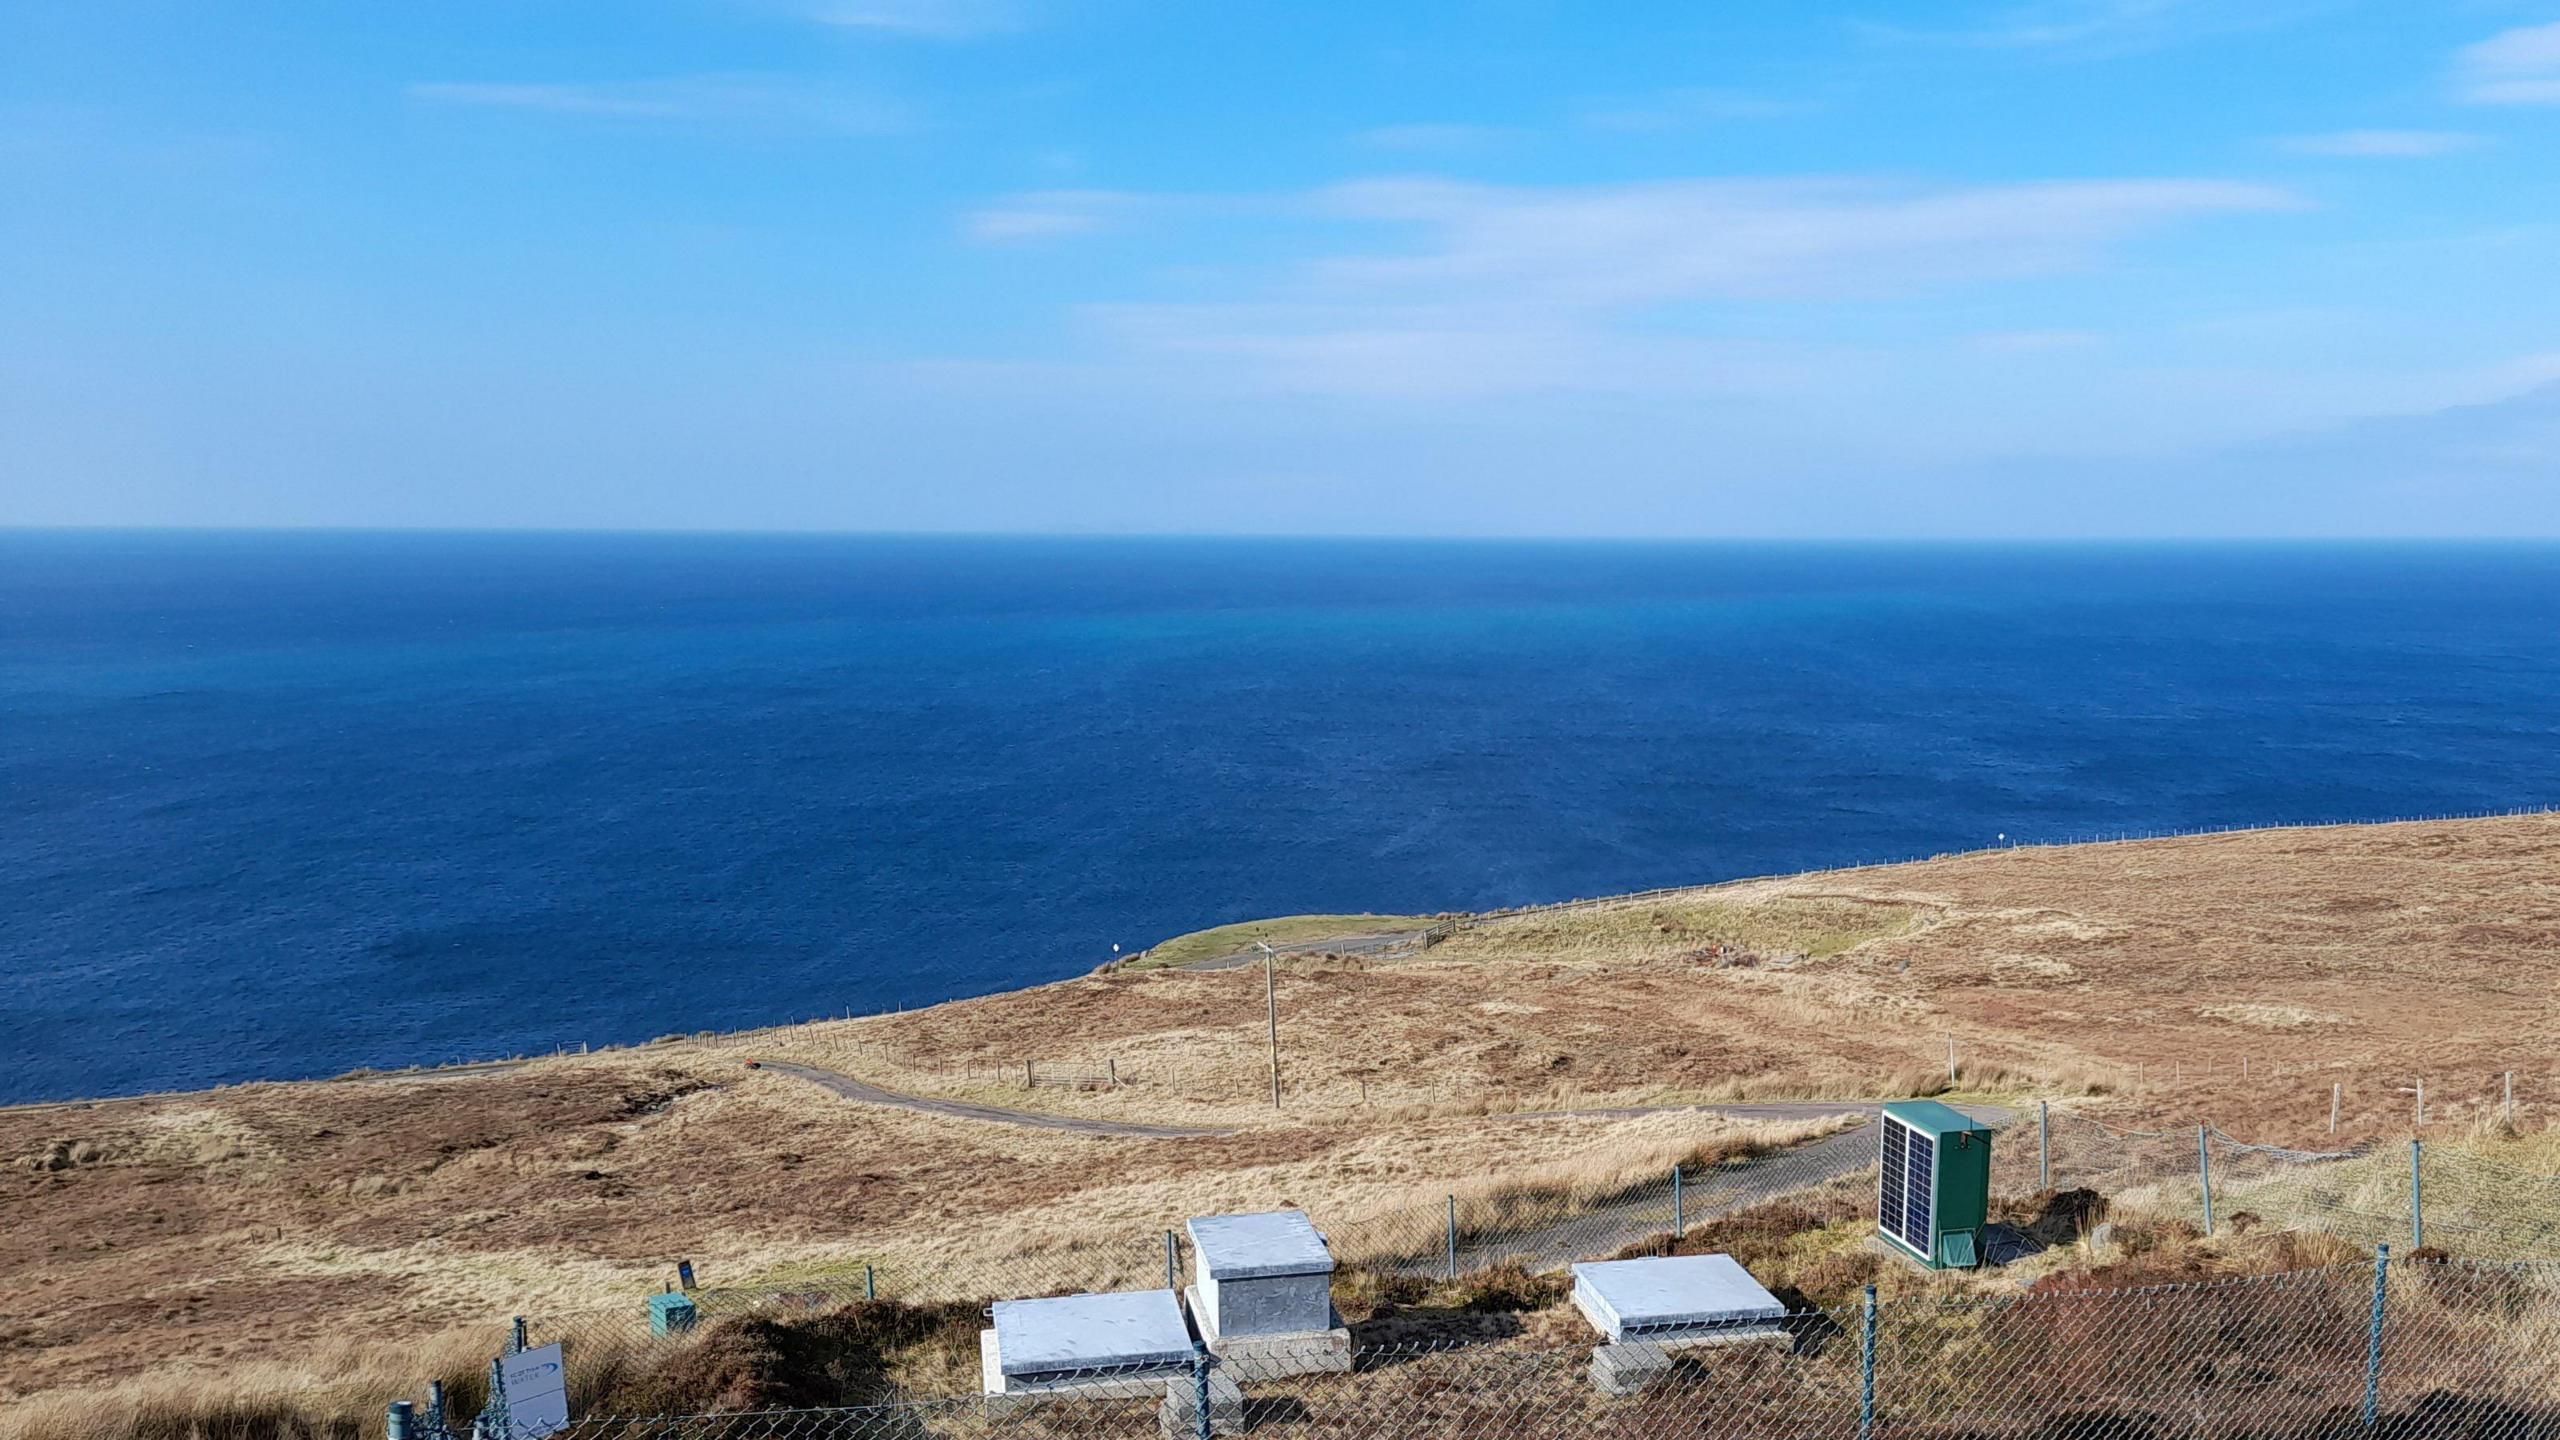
(537,1392)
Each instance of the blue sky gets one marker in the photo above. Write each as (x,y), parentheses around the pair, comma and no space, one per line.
(2040,267)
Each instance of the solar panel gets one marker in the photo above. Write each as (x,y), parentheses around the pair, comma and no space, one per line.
(1902,1185)
(1891,1182)
(1919,1151)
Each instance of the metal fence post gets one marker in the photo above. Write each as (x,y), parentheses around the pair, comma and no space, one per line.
(1679,1206)
(395,1423)
(494,1422)
(2044,1145)
(1200,1389)
(516,1342)
(2373,1336)
(2417,1195)
(1172,1262)
(1452,1272)
(1867,1369)
(2204,1174)
(437,1428)
(870,1283)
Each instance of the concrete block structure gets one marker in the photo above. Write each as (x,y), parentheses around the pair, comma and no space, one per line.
(1262,1294)
(1654,1310)
(1099,1346)
(1179,1416)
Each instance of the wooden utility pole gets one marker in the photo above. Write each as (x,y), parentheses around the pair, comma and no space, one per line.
(1271,1003)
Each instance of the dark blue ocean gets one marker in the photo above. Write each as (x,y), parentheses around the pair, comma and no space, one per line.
(282,805)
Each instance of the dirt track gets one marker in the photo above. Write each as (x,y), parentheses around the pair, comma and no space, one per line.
(1598,1230)
(852,1089)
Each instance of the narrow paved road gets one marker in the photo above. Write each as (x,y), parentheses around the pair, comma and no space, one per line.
(1599,1230)
(1612,1225)
(869,1094)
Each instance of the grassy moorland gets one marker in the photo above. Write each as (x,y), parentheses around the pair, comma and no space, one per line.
(260,1246)
(1220,942)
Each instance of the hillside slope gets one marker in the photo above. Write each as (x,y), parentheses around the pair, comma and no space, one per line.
(305,1228)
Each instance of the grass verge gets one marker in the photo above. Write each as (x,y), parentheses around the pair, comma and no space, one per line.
(1220,941)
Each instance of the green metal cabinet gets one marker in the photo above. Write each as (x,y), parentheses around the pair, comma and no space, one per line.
(670,1313)
(1933,1184)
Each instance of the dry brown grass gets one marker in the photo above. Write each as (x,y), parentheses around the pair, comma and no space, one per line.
(243,1232)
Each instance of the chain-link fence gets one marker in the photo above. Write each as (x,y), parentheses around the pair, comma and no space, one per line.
(2448,1200)
(1459,1235)
(2411,1195)
(2408,1350)
(2451,1200)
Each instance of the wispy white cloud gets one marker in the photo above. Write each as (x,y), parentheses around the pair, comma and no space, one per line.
(762,101)
(2384,144)
(2101,27)
(1050,215)
(1445,351)
(2513,67)
(926,19)
(1751,239)
(1502,289)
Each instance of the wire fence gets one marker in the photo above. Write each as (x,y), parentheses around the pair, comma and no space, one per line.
(1200,1082)
(2450,1201)
(2409,1350)
(1459,1235)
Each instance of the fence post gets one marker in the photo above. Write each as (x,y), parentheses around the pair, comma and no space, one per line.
(395,1423)
(1452,1269)
(494,1423)
(516,1342)
(870,1283)
(2417,1195)
(2044,1145)
(1867,1369)
(2336,1090)
(1200,1389)
(437,1429)
(2511,1099)
(2373,1337)
(2204,1175)
(1679,1206)
(1172,1263)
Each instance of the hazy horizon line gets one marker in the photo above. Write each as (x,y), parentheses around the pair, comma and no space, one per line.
(1357,537)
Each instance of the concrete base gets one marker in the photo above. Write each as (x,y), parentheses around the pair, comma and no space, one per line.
(1274,1357)
(1007,1393)
(1179,1416)
(1626,1368)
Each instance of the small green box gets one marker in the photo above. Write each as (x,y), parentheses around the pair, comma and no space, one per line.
(1933,1187)
(670,1313)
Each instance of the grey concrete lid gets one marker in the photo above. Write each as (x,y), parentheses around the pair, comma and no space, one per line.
(1123,1330)
(1618,1296)
(1249,1247)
